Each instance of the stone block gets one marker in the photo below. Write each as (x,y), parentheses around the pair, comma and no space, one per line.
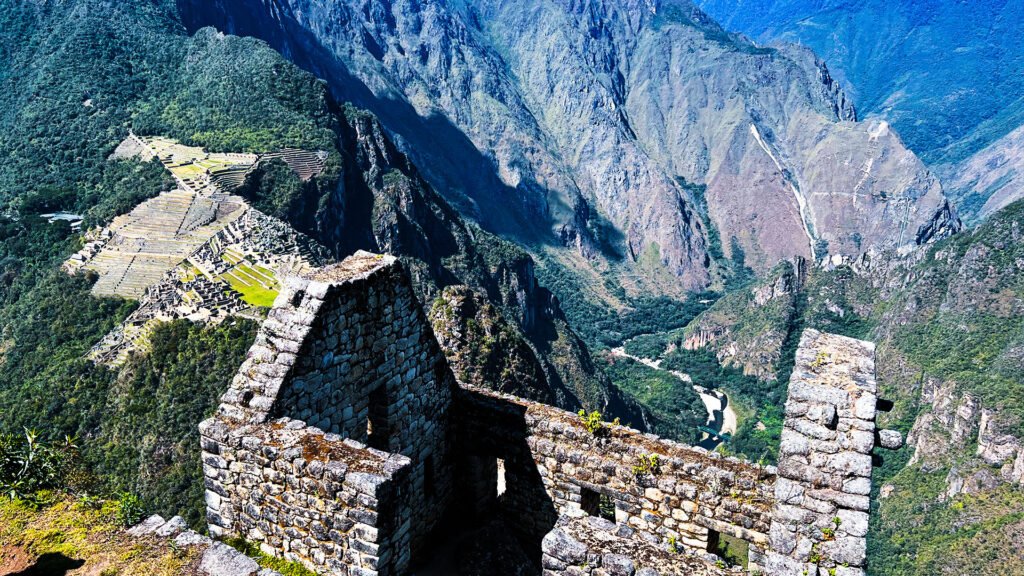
(851,464)
(845,550)
(890,439)
(147,526)
(561,546)
(617,565)
(853,522)
(223,560)
(172,527)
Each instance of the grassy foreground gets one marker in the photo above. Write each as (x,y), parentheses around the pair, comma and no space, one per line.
(83,537)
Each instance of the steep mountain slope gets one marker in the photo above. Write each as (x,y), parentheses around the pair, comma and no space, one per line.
(949,325)
(652,136)
(936,69)
(80,74)
(989,180)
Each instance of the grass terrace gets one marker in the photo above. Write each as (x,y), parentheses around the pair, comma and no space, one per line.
(257,285)
(82,537)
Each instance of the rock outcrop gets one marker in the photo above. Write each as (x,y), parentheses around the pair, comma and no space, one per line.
(952,422)
(483,349)
(747,328)
(218,559)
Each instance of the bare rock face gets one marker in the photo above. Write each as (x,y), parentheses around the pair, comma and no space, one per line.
(954,421)
(989,180)
(998,448)
(948,426)
(624,130)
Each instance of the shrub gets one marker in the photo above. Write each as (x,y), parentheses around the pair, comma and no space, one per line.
(129,509)
(594,422)
(29,465)
(647,464)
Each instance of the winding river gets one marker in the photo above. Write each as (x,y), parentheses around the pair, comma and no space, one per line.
(721,416)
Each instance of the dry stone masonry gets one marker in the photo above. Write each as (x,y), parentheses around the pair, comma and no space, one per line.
(822,495)
(345,437)
(361,476)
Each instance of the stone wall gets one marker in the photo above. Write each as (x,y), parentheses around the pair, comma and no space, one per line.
(347,351)
(292,488)
(553,465)
(344,438)
(822,495)
(596,547)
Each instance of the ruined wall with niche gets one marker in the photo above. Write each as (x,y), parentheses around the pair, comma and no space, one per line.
(346,359)
(554,466)
(822,495)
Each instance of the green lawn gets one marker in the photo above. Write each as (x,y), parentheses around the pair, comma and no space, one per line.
(252,292)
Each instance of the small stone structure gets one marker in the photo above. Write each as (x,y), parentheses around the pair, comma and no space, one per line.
(347,350)
(345,436)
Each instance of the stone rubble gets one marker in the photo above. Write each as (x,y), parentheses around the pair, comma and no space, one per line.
(218,559)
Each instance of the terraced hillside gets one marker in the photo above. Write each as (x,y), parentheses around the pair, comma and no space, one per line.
(140,247)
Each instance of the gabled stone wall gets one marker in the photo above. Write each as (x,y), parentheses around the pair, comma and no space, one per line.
(336,340)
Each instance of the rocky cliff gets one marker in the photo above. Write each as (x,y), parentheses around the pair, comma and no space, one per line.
(989,180)
(940,71)
(379,201)
(606,147)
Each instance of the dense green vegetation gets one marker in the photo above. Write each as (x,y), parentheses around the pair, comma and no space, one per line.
(147,435)
(29,465)
(755,374)
(918,532)
(676,408)
(603,326)
(97,69)
(102,68)
(757,443)
(136,428)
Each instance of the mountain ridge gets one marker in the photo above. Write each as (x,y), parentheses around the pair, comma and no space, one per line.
(574,143)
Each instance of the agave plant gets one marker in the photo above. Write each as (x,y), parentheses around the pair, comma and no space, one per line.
(28,464)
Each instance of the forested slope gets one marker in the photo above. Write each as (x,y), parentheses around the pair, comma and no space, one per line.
(77,76)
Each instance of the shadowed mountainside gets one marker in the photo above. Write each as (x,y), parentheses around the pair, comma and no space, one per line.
(648,144)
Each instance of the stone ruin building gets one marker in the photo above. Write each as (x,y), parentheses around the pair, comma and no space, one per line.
(346,443)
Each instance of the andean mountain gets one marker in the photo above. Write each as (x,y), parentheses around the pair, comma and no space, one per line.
(77,74)
(947,75)
(641,133)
